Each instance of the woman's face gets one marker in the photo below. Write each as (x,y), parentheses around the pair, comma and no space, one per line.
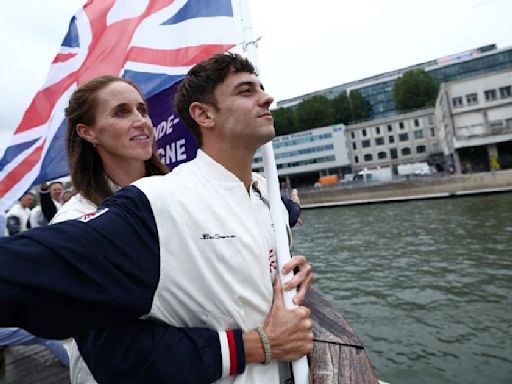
(123,132)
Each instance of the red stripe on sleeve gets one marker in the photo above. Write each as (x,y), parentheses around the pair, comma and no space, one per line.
(232,353)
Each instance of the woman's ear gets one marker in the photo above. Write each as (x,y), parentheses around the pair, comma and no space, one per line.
(203,114)
(86,133)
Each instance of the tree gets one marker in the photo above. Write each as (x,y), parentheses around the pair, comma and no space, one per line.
(360,107)
(353,107)
(284,121)
(415,89)
(316,111)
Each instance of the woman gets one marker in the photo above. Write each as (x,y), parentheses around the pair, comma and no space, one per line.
(110,144)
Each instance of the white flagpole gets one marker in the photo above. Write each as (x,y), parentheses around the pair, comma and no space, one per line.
(300,366)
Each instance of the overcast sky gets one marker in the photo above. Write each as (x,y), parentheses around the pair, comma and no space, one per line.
(305,45)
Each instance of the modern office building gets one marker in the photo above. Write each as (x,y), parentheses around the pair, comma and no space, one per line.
(400,139)
(378,90)
(474,116)
(301,158)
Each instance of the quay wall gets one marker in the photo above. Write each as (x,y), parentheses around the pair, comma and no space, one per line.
(426,187)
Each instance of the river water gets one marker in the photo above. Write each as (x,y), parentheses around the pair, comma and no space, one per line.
(426,285)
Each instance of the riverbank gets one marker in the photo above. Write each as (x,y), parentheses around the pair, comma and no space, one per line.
(419,188)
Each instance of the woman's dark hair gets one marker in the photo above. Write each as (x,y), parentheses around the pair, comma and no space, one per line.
(86,167)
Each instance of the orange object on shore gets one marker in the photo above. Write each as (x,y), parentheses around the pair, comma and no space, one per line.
(328,180)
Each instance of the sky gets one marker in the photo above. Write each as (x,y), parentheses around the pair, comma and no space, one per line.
(305,45)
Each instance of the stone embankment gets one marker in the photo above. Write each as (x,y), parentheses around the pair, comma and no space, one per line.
(411,189)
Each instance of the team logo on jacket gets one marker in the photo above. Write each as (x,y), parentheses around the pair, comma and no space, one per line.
(207,236)
(92,215)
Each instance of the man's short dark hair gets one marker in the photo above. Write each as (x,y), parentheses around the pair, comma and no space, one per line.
(201,81)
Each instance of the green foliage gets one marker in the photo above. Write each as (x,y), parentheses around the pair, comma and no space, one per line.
(361,108)
(353,107)
(284,121)
(314,112)
(415,89)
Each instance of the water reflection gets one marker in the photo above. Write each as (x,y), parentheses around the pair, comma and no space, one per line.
(426,285)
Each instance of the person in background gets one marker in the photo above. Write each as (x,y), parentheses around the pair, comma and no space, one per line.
(49,204)
(18,216)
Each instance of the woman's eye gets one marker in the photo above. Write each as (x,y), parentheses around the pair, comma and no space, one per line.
(122,111)
(143,110)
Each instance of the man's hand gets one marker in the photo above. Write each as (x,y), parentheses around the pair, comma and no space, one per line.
(302,279)
(290,331)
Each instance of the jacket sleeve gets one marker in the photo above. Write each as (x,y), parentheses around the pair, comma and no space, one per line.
(293,210)
(64,279)
(145,351)
(47,205)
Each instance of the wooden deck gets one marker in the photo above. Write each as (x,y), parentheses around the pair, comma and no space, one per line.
(338,355)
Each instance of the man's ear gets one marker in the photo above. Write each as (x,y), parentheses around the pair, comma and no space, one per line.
(86,133)
(202,113)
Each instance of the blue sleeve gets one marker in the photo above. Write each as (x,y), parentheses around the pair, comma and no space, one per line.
(47,205)
(293,211)
(64,279)
(146,351)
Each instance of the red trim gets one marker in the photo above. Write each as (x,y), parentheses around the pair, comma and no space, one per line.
(232,353)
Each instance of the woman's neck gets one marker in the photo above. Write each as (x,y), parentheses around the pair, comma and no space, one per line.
(125,173)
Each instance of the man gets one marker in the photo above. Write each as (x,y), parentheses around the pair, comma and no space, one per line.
(49,204)
(194,248)
(18,216)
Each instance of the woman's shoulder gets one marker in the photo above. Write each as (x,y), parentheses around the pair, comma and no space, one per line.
(76,206)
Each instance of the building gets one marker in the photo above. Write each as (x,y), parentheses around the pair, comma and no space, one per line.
(301,158)
(474,116)
(387,142)
(378,90)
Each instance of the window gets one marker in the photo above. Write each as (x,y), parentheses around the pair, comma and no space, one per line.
(393,153)
(354,146)
(505,92)
(391,139)
(496,124)
(432,132)
(421,149)
(457,102)
(430,119)
(368,157)
(508,123)
(490,95)
(364,132)
(401,125)
(356,159)
(418,134)
(403,137)
(353,134)
(382,155)
(406,151)
(377,130)
(366,143)
(379,141)
(390,128)
(416,123)
(435,147)
(472,99)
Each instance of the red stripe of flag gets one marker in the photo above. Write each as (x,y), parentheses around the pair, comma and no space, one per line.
(63,57)
(181,57)
(40,109)
(232,353)
(17,173)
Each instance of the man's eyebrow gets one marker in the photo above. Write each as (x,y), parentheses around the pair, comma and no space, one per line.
(250,84)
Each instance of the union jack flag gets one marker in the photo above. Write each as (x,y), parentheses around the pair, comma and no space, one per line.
(152,42)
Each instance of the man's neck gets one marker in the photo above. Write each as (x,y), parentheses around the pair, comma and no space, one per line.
(238,162)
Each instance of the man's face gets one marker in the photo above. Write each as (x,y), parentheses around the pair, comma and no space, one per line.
(26,200)
(56,191)
(243,115)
